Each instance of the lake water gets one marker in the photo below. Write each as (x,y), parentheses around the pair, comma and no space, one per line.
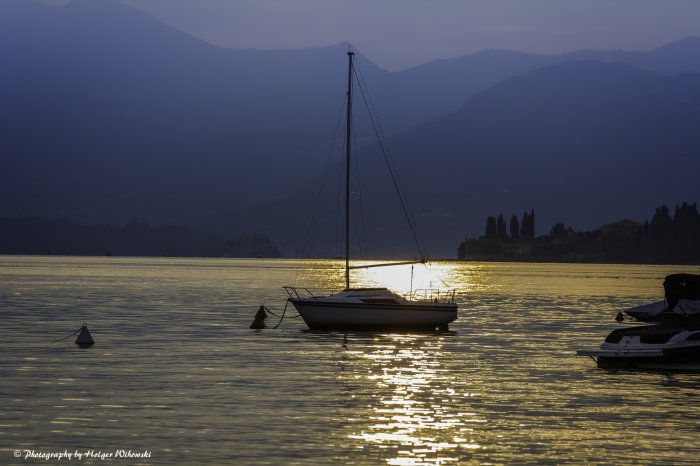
(176,371)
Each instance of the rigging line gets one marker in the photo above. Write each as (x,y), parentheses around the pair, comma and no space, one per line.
(383,138)
(323,180)
(420,247)
(402,192)
(353,207)
(363,238)
(338,200)
(356,231)
(339,231)
(410,216)
(447,285)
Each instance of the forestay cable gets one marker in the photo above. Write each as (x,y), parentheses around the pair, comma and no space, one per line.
(392,171)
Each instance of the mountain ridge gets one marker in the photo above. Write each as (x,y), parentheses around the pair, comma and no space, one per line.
(102,126)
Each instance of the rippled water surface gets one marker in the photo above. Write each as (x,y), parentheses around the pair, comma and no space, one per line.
(176,370)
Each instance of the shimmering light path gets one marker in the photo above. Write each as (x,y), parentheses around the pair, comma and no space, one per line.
(176,370)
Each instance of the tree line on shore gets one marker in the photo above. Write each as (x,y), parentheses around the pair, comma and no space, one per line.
(666,238)
(496,227)
(38,235)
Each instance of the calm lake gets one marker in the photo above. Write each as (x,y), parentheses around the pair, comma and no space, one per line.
(176,371)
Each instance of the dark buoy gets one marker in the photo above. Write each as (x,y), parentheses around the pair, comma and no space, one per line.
(84,339)
(260,316)
(620,316)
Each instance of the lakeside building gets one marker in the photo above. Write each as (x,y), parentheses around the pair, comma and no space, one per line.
(663,239)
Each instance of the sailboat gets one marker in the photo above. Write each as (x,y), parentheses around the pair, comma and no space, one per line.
(369,308)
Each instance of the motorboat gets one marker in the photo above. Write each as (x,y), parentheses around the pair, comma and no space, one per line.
(681,300)
(671,344)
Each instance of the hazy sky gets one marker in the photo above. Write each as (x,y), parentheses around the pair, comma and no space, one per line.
(397,34)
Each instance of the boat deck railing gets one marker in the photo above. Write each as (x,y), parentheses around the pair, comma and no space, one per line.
(434,295)
(299,293)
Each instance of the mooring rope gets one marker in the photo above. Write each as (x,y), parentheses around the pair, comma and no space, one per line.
(84,325)
(284,313)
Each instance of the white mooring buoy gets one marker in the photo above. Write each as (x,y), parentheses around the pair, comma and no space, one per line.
(84,339)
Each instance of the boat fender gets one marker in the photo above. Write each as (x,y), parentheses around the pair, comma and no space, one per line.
(619,317)
(84,339)
(259,320)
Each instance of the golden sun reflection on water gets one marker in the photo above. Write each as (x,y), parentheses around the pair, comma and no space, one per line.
(176,369)
(412,414)
(403,279)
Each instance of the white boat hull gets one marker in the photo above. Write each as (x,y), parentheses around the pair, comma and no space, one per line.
(361,316)
(651,347)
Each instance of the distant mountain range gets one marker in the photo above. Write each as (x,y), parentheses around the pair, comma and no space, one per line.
(108,114)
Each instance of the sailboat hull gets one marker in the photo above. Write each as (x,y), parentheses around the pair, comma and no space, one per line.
(362,316)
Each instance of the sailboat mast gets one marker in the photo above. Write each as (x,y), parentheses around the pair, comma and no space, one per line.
(348,139)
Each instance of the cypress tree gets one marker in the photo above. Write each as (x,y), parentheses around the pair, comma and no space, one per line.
(523,225)
(490,227)
(514,227)
(501,227)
